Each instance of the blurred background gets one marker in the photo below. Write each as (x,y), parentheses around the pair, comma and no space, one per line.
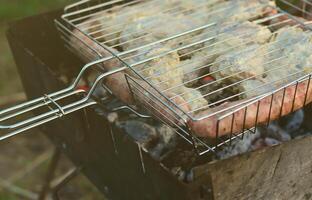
(24,160)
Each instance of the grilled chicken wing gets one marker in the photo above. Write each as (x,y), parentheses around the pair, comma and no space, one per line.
(230,37)
(239,65)
(165,73)
(150,29)
(107,26)
(193,98)
(158,69)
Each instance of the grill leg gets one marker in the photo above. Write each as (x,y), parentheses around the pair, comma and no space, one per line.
(50,174)
(71,174)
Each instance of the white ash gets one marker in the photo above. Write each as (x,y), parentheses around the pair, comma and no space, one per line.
(295,122)
(264,142)
(139,131)
(112,117)
(271,141)
(275,133)
(239,146)
(167,141)
(182,175)
(274,130)
(158,140)
(178,172)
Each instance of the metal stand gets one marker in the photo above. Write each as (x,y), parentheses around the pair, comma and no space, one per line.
(50,174)
(52,186)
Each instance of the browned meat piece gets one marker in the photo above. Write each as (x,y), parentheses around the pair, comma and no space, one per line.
(194,68)
(153,28)
(159,70)
(252,88)
(236,66)
(286,58)
(108,25)
(291,50)
(193,98)
(166,74)
(229,37)
(269,109)
(239,10)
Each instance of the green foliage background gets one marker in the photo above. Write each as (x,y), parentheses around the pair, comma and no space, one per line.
(10,9)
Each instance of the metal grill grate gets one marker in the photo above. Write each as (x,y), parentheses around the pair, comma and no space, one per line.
(147,47)
(209,68)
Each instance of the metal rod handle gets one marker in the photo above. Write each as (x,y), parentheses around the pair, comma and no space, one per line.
(35,121)
(52,102)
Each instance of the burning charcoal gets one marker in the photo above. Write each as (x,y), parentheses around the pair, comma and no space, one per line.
(167,142)
(182,175)
(189,176)
(274,130)
(271,141)
(258,144)
(167,133)
(141,132)
(112,117)
(264,142)
(179,173)
(294,121)
(285,128)
(239,146)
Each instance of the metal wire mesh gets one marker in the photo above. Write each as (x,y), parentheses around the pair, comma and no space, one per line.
(204,52)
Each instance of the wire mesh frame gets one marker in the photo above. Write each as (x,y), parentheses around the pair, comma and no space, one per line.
(154,106)
(219,140)
(152,84)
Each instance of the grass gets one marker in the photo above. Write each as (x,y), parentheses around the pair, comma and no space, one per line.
(11,9)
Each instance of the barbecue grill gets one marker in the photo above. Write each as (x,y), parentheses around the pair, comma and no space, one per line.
(119,152)
(154,99)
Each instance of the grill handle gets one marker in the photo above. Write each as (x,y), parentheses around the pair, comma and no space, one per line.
(52,102)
